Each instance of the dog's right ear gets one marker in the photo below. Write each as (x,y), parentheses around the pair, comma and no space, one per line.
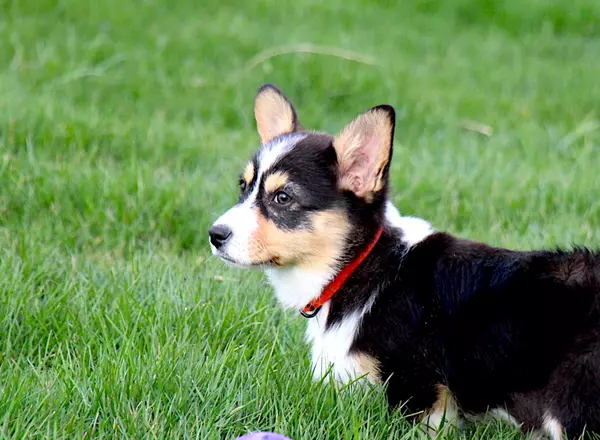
(364,151)
(274,113)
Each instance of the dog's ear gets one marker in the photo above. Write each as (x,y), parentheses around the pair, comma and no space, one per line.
(274,113)
(364,150)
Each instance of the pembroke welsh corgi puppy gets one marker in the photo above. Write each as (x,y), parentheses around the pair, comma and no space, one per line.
(454,328)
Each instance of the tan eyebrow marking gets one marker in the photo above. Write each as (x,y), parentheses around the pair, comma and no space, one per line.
(248,173)
(275,181)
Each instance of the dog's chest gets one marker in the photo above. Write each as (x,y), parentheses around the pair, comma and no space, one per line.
(330,349)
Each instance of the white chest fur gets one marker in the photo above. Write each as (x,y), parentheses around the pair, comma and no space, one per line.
(331,348)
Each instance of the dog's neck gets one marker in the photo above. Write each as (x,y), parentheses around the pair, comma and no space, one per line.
(297,286)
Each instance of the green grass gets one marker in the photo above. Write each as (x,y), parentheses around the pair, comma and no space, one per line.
(123,126)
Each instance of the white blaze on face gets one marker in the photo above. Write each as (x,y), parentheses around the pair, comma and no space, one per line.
(242,220)
(274,150)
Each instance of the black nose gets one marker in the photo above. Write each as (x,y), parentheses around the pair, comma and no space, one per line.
(218,235)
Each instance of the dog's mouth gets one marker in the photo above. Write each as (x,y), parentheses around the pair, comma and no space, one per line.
(231,262)
(262,264)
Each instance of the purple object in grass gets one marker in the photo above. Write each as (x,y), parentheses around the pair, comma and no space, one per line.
(263,436)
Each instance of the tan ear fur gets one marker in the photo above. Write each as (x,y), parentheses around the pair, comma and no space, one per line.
(363,149)
(274,113)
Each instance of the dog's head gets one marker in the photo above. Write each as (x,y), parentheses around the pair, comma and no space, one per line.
(307,198)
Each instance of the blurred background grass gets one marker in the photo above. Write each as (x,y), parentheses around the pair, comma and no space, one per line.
(123,126)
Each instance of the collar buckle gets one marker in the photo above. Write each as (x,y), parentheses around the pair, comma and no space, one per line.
(309,311)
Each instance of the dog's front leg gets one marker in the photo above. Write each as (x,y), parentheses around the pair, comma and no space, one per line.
(443,415)
(431,405)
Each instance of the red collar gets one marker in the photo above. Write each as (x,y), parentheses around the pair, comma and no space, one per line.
(312,308)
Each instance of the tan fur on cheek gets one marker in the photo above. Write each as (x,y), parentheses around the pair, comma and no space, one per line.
(275,181)
(248,173)
(314,248)
(326,240)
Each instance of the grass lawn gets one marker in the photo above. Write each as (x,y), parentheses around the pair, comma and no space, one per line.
(123,126)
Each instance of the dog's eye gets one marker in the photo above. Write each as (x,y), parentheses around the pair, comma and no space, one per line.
(282,198)
(242,185)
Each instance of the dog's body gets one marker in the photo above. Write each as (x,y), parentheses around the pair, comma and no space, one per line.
(455,328)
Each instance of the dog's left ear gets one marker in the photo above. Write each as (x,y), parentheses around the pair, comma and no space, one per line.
(364,150)
(274,113)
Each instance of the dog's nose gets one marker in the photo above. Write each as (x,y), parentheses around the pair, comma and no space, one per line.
(218,235)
